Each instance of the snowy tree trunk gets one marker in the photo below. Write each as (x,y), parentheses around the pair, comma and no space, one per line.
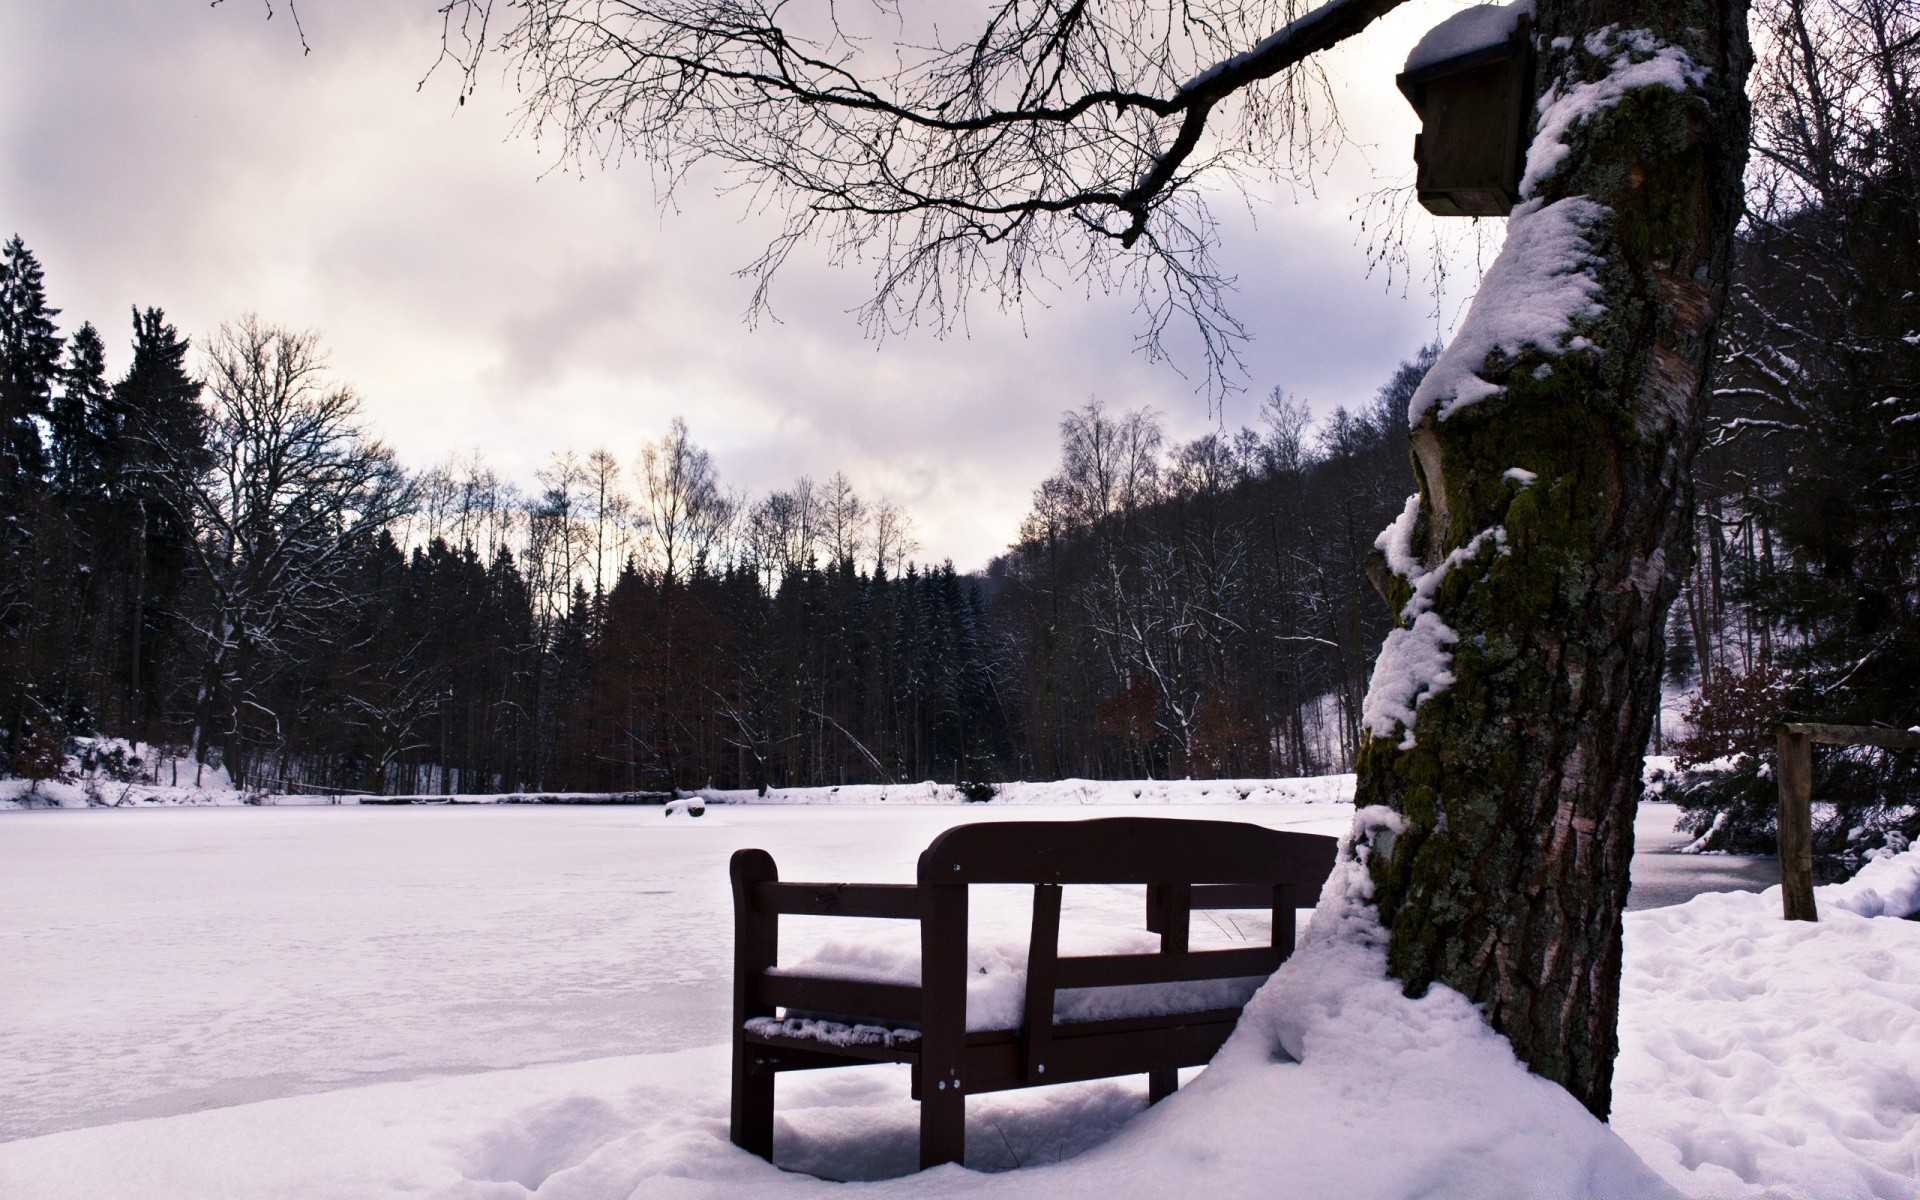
(1552,445)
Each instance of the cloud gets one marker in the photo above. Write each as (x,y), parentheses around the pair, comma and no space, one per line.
(193,158)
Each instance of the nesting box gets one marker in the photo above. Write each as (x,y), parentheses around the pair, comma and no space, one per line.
(1471,81)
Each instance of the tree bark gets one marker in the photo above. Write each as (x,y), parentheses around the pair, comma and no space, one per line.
(1519,773)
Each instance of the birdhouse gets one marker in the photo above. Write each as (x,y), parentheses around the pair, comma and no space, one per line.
(1471,81)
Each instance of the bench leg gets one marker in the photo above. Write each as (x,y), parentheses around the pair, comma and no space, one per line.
(752,1123)
(943,1127)
(1161,1083)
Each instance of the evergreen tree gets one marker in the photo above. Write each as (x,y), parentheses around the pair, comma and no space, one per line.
(155,411)
(29,362)
(76,424)
(1806,600)
(157,435)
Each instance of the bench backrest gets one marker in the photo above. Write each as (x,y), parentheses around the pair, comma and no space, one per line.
(1185,865)
(1127,850)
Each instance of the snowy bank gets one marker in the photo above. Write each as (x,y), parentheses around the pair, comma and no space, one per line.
(93,793)
(1765,1057)
(1318,789)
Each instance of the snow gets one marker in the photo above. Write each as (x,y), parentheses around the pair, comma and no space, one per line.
(1888,886)
(1539,285)
(832,1033)
(1319,789)
(1643,61)
(997,972)
(1764,1057)
(1414,664)
(509,1001)
(1481,27)
(159,783)
(1396,540)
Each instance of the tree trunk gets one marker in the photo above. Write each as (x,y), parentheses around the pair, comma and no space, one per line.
(135,709)
(1508,715)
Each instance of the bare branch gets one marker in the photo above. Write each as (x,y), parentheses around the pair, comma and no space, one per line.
(1069,133)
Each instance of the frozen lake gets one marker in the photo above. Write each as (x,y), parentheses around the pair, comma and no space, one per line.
(166,961)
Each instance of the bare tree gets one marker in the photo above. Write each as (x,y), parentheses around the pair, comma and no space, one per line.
(612,515)
(892,541)
(295,488)
(1109,466)
(560,535)
(686,513)
(846,519)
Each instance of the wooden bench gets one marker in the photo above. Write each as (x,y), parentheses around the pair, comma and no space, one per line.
(1185,865)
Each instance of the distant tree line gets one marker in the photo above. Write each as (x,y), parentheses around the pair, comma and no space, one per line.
(1203,608)
(214,555)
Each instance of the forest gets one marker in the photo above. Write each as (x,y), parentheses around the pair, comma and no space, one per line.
(216,555)
(213,552)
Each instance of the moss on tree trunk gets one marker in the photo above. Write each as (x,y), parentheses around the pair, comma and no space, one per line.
(1520,778)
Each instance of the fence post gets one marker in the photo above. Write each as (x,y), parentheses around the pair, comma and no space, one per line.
(1794,772)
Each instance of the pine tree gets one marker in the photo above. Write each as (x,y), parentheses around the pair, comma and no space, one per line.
(157,433)
(29,362)
(76,422)
(1806,602)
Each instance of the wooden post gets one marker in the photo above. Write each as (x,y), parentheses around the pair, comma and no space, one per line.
(1176,917)
(1043,965)
(1794,772)
(756,949)
(943,1024)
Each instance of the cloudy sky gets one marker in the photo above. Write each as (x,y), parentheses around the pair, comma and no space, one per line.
(164,152)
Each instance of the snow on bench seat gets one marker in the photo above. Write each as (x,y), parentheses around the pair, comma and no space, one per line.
(997,983)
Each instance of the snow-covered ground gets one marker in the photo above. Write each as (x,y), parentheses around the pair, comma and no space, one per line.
(96,792)
(346,1002)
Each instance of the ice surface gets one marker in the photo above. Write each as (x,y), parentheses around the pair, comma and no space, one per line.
(1336,789)
(157,961)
